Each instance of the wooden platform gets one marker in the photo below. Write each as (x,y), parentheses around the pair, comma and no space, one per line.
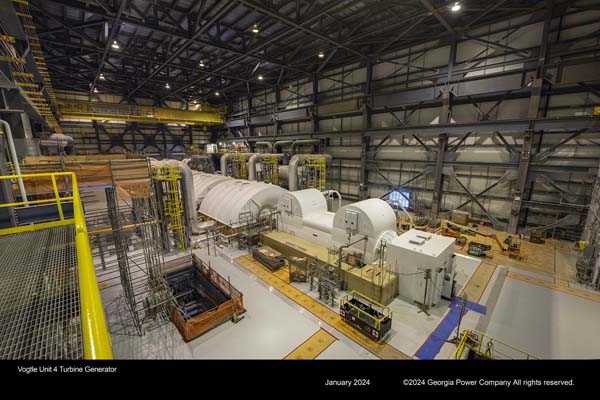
(313,346)
(378,283)
(381,350)
(478,282)
(555,258)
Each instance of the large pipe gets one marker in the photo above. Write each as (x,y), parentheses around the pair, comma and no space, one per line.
(278,145)
(13,156)
(331,192)
(293,170)
(268,145)
(187,179)
(225,160)
(312,142)
(254,159)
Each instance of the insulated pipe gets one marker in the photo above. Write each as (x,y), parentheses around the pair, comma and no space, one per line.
(293,170)
(330,192)
(312,142)
(254,159)
(187,179)
(268,145)
(13,156)
(280,143)
(225,160)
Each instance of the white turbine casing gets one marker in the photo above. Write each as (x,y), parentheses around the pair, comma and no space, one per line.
(204,182)
(226,201)
(304,212)
(375,219)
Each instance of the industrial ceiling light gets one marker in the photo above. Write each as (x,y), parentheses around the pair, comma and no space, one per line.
(95,90)
(115,45)
(217,94)
(201,64)
(255,28)
(455,7)
(167,86)
(321,54)
(102,77)
(260,78)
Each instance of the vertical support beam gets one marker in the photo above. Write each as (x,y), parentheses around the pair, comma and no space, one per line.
(363,189)
(189,129)
(249,104)
(438,176)
(315,107)
(276,113)
(96,129)
(133,130)
(163,131)
(532,113)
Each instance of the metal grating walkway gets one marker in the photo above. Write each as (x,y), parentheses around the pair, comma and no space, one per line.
(39,295)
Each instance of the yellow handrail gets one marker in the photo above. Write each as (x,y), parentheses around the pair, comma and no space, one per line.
(96,339)
(385,311)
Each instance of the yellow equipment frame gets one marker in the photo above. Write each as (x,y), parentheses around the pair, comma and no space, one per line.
(96,339)
(385,310)
(485,346)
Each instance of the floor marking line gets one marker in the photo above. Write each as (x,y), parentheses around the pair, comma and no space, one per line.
(381,350)
(312,347)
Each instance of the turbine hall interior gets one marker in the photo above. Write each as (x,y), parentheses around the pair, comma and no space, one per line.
(303,180)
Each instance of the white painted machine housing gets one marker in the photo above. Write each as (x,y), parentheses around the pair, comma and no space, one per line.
(412,253)
(226,201)
(373,218)
(304,212)
(204,182)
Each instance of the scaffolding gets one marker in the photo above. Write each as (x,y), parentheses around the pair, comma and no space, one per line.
(270,169)
(238,166)
(314,173)
(167,185)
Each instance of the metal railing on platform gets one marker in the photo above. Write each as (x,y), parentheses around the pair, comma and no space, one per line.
(96,339)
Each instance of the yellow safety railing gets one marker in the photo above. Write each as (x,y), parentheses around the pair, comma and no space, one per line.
(96,339)
(385,311)
(489,347)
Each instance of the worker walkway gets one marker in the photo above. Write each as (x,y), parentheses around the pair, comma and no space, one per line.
(50,306)
(379,349)
(39,295)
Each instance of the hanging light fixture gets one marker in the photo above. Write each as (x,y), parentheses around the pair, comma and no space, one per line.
(102,77)
(260,78)
(255,28)
(217,94)
(455,7)
(115,45)
(167,86)
(95,90)
(321,54)
(201,64)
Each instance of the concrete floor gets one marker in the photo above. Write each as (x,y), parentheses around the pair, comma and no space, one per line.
(271,328)
(541,321)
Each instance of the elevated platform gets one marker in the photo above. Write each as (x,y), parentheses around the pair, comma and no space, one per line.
(39,295)
(372,280)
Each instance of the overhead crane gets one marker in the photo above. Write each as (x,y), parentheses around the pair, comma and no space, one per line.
(98,111)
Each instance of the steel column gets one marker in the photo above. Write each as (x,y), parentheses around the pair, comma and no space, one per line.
(363,188)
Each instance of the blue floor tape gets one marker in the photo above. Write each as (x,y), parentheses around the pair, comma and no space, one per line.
(436,340)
